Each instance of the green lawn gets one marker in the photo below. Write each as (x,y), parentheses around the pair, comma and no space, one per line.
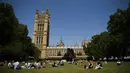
(111,67)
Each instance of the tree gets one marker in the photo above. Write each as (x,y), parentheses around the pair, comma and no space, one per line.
(116,41)
(97,46)
(14,40)
(102,45)
(8,22)
(72,54)
(69,55)
(119,27)
(35,51)
(79,54)
(21,47)
(59,53)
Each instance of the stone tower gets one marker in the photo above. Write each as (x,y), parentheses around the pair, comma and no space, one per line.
(84,43)
(41,31)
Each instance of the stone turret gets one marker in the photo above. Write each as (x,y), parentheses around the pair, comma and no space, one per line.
(61,43)
(37,15)
(84,43)
(47,11)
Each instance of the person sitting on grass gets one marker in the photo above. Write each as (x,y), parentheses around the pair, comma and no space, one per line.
(16,65)
(37,65)
(90,65)
(29,65)
(61,63)
(85,66)
(105,60)
(25,65)
(54,64)
(32,65)
(44,65)
(10,65)
(99,66)
(118,62)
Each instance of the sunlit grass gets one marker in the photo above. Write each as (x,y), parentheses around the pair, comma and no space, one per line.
(111,67)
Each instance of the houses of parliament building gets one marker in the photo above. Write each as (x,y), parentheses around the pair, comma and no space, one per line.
(41,38)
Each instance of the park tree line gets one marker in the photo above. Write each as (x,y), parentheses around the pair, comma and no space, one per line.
(116,40)
(14,40)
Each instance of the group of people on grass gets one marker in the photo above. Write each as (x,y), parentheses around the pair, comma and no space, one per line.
(98,65)
(14,65)
(36,65)
(30,65)
(26,65)
(90,65)
(60,63)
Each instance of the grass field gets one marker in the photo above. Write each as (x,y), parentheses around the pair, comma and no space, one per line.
(111,67)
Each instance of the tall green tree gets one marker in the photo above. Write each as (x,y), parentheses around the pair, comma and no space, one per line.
(8,23)
(14,40)
(119,27)
(104,45)
(116,41)
(98,45)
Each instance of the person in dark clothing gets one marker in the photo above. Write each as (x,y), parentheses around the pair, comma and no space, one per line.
(85,66)
(54,65)
(90,65)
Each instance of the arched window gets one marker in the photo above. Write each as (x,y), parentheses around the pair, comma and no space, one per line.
(38,27)
(42,27)
(41,40)
(37,40)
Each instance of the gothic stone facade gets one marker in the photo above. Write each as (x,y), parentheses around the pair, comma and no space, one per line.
(41,38)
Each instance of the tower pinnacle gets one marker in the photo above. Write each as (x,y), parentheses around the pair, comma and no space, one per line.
(36,11)
(47,11)
(61,42)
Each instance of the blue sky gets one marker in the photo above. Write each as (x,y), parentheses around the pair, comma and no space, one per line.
(74,20)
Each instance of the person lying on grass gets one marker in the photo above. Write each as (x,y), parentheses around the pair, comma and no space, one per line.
(99,66)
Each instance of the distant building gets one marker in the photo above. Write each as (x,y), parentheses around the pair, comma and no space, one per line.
(41,38)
